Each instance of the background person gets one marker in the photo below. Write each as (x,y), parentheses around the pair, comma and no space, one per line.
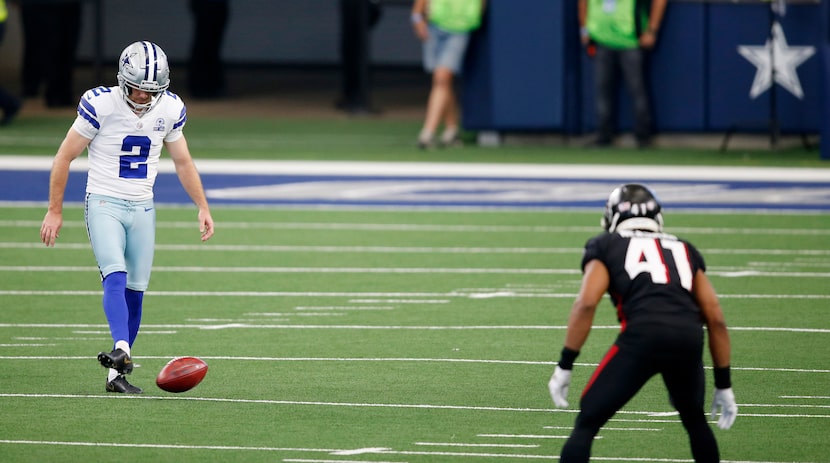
(622,32)
(444,27)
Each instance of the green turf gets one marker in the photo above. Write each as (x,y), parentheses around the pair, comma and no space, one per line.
(336,330)
(378,139)
(331,331)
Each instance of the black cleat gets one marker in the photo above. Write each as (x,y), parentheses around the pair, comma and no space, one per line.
(117,359)
(120,384)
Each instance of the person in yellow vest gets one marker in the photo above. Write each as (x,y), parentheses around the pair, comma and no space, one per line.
(623,32)
(8,103)
(444,28)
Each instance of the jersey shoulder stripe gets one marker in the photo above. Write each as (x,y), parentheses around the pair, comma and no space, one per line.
(97,103)
(87,111)
(182,117)
(172,107)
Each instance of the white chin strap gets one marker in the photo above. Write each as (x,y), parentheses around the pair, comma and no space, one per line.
(139,108)
(639,223)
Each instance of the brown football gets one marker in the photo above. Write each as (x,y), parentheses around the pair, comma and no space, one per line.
(182,374)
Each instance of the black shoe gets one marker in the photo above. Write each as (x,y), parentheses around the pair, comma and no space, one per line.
(600,142)
(426,144)
(644,143)
(9,113)
(451,141)
(120,384)
(117,359)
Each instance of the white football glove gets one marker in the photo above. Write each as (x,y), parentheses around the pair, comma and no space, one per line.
(558,386)
(725,401)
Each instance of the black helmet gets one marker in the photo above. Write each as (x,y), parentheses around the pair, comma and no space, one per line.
(636,206)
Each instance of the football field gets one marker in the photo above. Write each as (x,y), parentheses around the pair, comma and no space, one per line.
(360,316)
(391,336)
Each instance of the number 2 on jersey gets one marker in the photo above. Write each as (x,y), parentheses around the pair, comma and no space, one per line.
(134,165)
(646,255)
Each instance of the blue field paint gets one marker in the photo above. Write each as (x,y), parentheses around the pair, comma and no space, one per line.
(446,191)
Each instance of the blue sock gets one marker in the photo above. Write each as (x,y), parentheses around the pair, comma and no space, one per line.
(115,305)
(134,304)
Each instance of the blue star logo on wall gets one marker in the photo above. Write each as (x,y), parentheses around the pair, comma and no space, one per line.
(778,54)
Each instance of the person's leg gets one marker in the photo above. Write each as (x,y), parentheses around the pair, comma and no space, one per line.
(34,38)
(104,220)
(115,309)
(64,22)
(443,56)
(605,80)
(617,379)
(440,98)
(139,251)
(632,63)
(135,305)
(8,102)
(452,119)
(685,382)
(452,58)
(10,106)
(206,70)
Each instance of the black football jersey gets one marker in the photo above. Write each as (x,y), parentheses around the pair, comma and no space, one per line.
(651,276)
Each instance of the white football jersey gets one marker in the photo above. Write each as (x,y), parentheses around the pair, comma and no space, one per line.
(125,148)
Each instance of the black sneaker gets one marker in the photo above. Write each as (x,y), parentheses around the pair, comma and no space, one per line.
(425,145)
(117,359)
(120,384)
(10,112)
(450,141)
(600,142)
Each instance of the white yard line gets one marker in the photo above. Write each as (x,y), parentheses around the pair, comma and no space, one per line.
(427,228)
(405,249)
(470,294)
(378,451)
(732,273)
(550,410)
(449,169)
(383,360)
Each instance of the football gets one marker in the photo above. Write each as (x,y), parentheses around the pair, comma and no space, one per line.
(182,374)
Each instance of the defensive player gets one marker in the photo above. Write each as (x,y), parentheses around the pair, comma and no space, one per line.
(123,128)
(663,298)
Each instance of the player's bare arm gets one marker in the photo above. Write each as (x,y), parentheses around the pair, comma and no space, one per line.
(419,19)
(720,349)
(72,146)
(594,285)
(707,299)
(192,183)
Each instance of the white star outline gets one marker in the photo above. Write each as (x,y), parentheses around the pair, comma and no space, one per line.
(786,60)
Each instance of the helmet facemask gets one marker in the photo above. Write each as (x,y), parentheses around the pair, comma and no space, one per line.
(143,66)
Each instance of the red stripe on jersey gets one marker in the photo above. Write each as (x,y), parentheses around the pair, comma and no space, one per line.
(689,259)
(611,353)
(663,260)
(620,313)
